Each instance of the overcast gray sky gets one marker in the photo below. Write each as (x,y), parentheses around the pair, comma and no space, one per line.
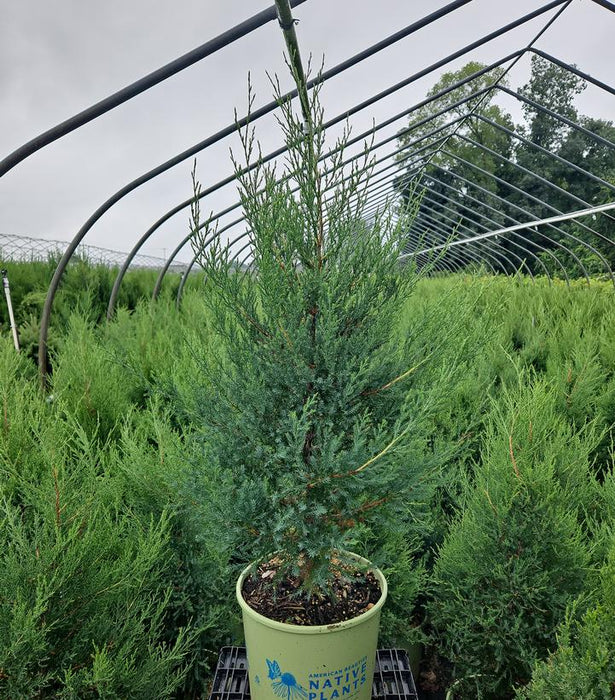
(57,57)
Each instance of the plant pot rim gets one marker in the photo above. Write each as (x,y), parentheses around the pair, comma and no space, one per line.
(315,629)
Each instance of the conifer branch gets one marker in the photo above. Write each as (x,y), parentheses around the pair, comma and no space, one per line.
(388,385)
(512,457)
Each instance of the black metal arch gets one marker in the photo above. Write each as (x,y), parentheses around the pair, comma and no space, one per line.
(473,95)
(433,225)
(141,85)
(331,122)
(580,241)
(563,217)
(461,230)
(513,221)
(456,226)
(542,203)
(259,113)
(386,181)
(538,177)
(469,231)
(278,152)
(391,182)
(215,138)
(493,222)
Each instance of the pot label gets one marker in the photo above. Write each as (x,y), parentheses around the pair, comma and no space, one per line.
(344,682)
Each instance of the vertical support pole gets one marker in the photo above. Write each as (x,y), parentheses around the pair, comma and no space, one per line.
(7,294)
(287,24)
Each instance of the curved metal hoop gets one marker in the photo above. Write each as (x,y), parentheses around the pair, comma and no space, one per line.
(441,213)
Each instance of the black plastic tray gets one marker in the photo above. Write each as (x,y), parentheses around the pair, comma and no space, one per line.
(392,676)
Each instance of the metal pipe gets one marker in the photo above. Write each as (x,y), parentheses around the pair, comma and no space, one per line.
(534,39)
(538,177)
(485,228)
(199,252)
(165,267)
(505,202)
(483,216)
(606,4)
(186,239)
(495,223)
(451,265)
(208,241)
(223,133)
(543,204)
(555,156)
(555,115)
(189,236)
(485,259)
(169,214)
(445,235)
(573,69)
(328,124)
(359,107)
(135,250)
(382,182)
(538,222)
(466,238)
(437,226)
(422,231)
(139,86)
(506,90)
(434,66)
(413,154)
(131,255)
(287,24)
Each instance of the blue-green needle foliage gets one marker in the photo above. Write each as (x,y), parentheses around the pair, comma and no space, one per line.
(311,432)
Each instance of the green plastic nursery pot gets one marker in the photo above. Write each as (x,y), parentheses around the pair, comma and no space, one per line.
(321,662)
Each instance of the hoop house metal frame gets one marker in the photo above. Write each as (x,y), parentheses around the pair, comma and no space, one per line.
(460,223)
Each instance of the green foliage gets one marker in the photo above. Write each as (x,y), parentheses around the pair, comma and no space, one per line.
(517,554)
(156,468)
(83,595)
(554,88)
(460,133)
(85,287)
(312,441)
(583,666)
(105,371)
(88,376)
(447,103)
(125,435)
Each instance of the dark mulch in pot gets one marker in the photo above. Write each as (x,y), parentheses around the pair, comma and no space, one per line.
(353,592)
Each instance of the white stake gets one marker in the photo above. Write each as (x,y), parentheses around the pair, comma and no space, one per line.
(7,294)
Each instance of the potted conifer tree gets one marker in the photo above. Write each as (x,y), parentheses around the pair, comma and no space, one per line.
(307,420)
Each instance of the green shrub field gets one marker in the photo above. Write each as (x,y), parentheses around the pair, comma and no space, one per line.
(85,287)
(116,573)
